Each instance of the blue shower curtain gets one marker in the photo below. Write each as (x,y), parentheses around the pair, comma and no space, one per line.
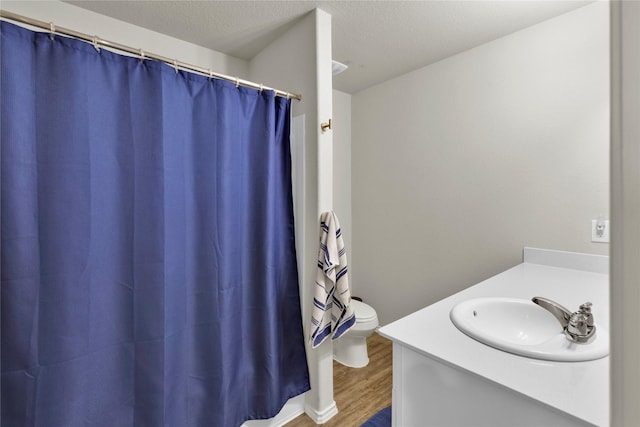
(148,260)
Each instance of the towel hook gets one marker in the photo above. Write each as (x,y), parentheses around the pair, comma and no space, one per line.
(325,126)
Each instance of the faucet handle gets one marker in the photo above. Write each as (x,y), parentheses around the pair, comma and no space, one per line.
(586,307)
(586,310)
(581,327)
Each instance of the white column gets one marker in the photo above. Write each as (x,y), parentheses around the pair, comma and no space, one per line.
(300,61)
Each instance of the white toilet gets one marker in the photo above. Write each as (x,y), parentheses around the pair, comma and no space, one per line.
(351,348)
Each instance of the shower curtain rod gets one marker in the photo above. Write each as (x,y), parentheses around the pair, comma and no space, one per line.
(98,43)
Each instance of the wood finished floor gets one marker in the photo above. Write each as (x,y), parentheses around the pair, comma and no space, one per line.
(359,393)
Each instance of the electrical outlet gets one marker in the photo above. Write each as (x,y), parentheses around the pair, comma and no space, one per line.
(600,230)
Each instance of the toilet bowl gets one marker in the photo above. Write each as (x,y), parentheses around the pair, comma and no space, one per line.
(351,348)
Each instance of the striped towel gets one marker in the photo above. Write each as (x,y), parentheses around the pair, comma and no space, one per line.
(332,310)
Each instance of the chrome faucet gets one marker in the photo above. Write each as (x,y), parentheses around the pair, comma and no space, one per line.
(577,326)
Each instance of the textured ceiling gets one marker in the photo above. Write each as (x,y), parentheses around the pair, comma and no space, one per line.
(377,39)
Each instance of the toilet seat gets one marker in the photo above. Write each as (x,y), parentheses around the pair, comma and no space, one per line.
(364,313)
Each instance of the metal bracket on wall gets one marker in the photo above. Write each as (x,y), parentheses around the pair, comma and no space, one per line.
(325,126)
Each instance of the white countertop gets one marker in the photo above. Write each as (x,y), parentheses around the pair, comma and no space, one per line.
(577,388)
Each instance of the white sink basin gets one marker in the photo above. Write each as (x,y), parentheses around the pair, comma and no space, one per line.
(521,327)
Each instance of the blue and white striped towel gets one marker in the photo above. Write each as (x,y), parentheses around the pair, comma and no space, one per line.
(332,310)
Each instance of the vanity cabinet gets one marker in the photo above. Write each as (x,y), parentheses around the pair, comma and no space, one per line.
(428,392)
(442,377)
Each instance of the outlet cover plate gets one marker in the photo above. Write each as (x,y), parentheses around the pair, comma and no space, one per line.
(604,237)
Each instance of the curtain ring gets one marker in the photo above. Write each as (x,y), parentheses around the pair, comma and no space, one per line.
(175,65)
(141,55)
(52,30)
(96,43)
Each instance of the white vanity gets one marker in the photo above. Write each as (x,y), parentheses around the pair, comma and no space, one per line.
(442,377)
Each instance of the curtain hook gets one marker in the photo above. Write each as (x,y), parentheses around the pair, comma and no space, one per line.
(261,87)
(175,65)
(96,43)
(237,82)
(210,74)
(52,30)
(141,55)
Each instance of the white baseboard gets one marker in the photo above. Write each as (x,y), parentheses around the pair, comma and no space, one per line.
(321,417)
(293,408)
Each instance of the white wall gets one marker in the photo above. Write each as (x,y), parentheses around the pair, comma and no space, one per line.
(458,165)
(76,18)
(341,125)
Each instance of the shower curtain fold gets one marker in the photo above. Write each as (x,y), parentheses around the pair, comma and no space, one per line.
(147,260)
